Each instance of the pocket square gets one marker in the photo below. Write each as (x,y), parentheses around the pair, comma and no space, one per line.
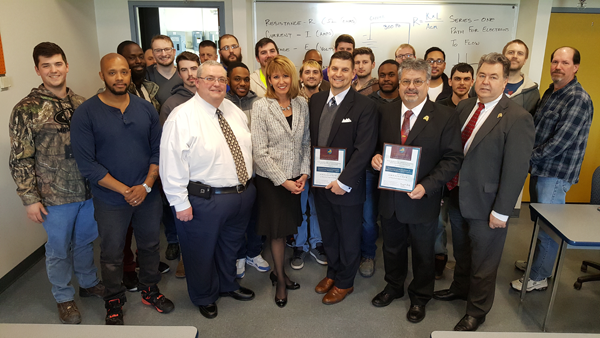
(346,120)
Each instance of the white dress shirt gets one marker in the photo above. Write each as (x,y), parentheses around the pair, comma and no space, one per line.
(193,148)
(413,118)
(485,113)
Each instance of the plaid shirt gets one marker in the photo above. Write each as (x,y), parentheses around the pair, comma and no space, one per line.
(562,124)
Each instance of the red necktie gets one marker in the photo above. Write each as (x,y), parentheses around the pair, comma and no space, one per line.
(406,125)
(466,133)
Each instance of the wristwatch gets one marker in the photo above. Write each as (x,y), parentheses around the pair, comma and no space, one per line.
(148,189)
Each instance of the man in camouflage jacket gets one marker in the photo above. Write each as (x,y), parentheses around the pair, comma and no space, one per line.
(49,183)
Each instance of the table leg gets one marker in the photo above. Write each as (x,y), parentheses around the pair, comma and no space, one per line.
(536,230)
(561,254)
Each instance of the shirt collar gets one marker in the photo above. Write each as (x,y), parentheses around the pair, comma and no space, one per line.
(491,103)
(339,97)
(207,107)
(416,110)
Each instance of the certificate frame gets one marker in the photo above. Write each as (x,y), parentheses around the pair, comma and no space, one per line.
(330,172)
(398,152)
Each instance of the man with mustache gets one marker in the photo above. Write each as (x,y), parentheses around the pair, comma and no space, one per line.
(520,88)
(439,88)
(461,80)
(163,72)
(116,141)
(229,49)
(207,50)
(240,94)
(139,86)
(311,77)
(364,62)
(412,217)
(497,139)
(264,50)
(388,83)
(562,123)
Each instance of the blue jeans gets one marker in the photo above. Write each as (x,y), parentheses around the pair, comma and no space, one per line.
(301,238)
(370,229)
(441,238)
(71,230)
(549,190)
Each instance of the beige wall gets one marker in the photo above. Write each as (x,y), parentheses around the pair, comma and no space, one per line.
(70,24)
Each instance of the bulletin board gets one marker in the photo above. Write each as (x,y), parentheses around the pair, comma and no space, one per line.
(2,66)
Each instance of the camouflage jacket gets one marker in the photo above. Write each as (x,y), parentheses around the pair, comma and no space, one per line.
(151,88)
(41,162)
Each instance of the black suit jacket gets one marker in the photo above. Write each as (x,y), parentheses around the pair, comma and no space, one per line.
(358,137)
(495,166)
(437,132)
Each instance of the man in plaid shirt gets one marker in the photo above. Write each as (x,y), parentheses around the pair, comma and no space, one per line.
(562,123)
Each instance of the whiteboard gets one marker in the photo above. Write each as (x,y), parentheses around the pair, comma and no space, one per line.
(463,31)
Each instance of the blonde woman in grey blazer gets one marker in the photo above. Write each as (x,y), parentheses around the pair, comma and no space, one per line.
(281,152)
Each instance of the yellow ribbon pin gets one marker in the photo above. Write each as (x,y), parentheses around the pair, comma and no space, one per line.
(426,118)
(500,115)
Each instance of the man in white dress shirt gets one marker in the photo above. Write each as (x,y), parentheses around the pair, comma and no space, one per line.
(206,158)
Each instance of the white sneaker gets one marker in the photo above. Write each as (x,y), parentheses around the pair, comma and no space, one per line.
(259,263)
(240,264)
(521,265)
(531,285)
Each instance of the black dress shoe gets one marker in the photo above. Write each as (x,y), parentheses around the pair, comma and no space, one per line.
(280,302)
(469,323)
(416,313)
(384,299)
(240,294)
(209,311)
(447,295)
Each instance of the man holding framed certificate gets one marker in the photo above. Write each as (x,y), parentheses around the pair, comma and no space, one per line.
(419,150)
(343,129)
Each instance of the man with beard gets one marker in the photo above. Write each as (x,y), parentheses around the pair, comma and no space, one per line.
(252,244)
(187,67)
(520,88)
(364,62)
(388,83)
(412,217)
(387,93)
(162,73)
(562,124)
(229,49)
(139,86)
(439,88)
(116,141)
(461,80)
(265,50)
(311,78)
(49,184)
(207,50)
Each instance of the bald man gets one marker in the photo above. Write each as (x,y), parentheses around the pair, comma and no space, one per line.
(313,55)
(116,140)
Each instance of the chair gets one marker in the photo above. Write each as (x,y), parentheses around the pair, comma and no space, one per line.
(595,199)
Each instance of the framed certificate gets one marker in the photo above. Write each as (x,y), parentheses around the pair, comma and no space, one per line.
(400,167)
(328,165)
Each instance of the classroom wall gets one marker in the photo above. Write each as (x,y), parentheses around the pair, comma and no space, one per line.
(70,24)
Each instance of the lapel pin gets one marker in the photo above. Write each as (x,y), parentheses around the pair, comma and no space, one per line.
(500,115)
(426,118)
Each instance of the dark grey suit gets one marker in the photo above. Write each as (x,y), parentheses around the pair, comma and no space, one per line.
(491,178)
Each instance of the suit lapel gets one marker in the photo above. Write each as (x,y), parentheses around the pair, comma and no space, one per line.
(491,121)
(341,113)
(464,114)
(396,124)
(420,123)
(278,114)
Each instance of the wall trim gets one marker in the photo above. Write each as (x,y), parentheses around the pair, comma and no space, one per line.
(573,10)
(21,268)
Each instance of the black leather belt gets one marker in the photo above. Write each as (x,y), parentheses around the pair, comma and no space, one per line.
(238,189)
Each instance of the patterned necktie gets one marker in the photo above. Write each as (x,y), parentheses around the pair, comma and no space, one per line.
(406,125)
(238,157)
(333,104)
(466,133)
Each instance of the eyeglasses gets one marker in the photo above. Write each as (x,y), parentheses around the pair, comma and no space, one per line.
(221,80)
(404,56)
(161,50)
(232,47)
(438,61)
(415,82)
